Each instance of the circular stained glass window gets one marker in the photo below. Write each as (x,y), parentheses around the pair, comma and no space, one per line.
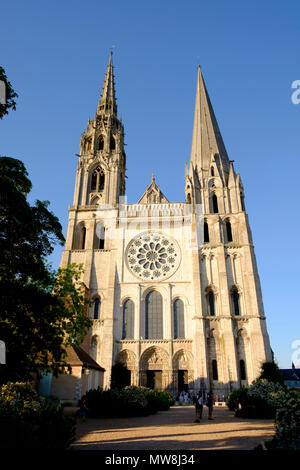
(153,256)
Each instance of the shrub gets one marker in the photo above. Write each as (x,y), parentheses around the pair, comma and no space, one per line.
(159,401)
(130,401)
(260,400)
(32,422)
(235,397)
(287,423)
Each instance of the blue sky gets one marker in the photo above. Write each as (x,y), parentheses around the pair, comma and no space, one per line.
(55,54)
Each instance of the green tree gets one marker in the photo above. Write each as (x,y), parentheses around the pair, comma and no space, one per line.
(41,313)
(270,371)
(10,95)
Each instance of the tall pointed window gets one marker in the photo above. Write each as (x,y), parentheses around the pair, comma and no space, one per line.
(101,143)
(94,181)
(215,204)
(243,370)
(82,238)
(97,180)
(211,303)
(236,302)
(214,369)
(212,171)
(128,320)
(112,143)
(178,310)
(206,233)
(228,231)
(97,306)
(154,316)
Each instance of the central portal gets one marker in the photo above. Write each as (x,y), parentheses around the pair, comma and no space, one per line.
(154,379)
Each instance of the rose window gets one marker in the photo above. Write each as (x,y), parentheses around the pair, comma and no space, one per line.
(153,256)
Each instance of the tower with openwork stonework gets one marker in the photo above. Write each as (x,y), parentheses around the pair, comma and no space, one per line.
(174,287)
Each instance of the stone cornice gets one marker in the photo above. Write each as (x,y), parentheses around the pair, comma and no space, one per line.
(154,341)
(228,317)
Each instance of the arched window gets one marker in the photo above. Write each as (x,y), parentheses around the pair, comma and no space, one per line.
(214,369)
(112,143)
(97,305)
(101,143)
(211,303)
(188,199)
(206,233)
(101,181)
(212,171)
(128,320)
(228,231)
(82,238)
(178,310)
(94,181)
(97,179)
(154,317)
(236,302)
(243,370)
(215,204)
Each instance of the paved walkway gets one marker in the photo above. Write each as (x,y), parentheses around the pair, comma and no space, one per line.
(173,430)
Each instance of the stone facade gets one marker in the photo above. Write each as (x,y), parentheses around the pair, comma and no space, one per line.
(175,289)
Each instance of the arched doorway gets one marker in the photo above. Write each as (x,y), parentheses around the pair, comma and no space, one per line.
(154,369)
(183,373)
(128,358)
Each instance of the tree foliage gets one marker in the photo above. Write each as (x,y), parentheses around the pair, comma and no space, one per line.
(10,95)
(270,371)
(40,312)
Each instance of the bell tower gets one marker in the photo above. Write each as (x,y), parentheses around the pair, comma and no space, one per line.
(100,178)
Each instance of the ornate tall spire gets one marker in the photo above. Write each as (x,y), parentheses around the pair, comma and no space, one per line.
(207,139)
(107,103)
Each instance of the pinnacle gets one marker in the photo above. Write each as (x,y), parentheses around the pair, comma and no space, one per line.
(107,103)
(207,138)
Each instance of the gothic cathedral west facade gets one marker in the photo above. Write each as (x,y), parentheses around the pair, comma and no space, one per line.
(174,287)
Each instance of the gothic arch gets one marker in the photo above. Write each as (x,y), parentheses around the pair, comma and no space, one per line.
(236,300)
(128,358)
(154,358)
(79,238)
(183,362)
(161,289)
(183,359)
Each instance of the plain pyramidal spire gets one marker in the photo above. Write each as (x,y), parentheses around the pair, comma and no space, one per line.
(107,103)
(207,139)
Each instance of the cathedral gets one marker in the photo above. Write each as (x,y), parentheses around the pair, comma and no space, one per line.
(174,287)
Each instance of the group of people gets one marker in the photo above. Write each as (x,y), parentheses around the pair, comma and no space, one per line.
(199,403)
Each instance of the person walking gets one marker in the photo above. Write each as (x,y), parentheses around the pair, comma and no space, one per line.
(198,407)
(210,404)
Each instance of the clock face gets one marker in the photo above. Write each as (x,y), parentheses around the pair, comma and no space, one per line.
(153,256)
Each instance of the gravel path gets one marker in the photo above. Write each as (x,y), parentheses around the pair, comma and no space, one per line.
(173,430)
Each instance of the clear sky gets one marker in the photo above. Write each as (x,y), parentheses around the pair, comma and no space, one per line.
(55,54)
